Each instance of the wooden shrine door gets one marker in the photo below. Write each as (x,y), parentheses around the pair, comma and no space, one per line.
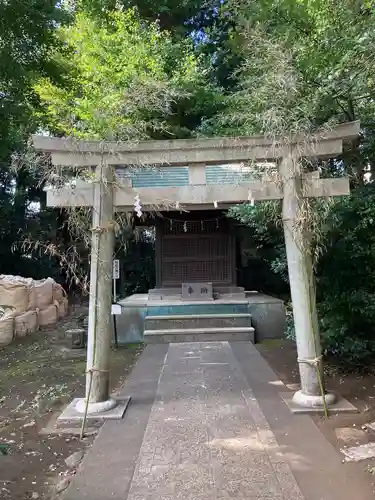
(194,251)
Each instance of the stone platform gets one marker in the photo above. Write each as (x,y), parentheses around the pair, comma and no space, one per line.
(266,315)
(206,422)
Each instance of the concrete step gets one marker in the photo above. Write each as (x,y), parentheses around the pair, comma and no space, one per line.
(223,290)
(199,335)
(230,296)
(231,292)
(197,321)
(196,309)
(215,296)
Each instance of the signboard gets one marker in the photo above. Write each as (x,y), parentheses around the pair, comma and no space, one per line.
(116,309)
(116,269)
(197,291)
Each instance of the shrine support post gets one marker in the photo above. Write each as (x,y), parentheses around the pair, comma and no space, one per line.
(302,287)
(100,325)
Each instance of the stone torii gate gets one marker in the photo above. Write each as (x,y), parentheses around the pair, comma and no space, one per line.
(107,195)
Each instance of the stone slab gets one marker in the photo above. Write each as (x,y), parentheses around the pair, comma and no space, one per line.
(108,467)
(204,335)
(267,316)
(206,438)
(52,427)
(71,416)
(342,405)
(197,291)
(197,321)
(173,293)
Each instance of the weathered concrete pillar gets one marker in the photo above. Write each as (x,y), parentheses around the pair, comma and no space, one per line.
(100,325)
(302,286)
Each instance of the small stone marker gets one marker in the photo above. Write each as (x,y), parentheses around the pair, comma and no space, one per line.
(197,291)
(77,336)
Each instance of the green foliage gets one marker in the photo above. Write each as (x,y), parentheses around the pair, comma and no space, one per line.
(126,79)
(264,222)
(4,449)
(120,69)
(28,36)
(137,263)
(305,65)
(289,330)
(264,218)
(208,24)
(345,271)
(346,283)
(179,16)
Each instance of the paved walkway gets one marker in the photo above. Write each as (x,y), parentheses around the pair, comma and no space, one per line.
(196,429)
(207,436)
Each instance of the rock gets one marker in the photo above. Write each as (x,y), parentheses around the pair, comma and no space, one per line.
(35,495)
(62,485)
(349,436)
(357,453)
(73,460)
(370,426)
(30,424)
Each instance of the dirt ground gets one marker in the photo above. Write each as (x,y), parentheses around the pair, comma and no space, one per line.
(38,376)
(341,430)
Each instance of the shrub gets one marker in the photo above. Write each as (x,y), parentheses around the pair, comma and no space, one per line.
(346,281)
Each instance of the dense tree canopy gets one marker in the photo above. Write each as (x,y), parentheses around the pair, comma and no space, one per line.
(305,64)
(120,69)
(126,79)
(178,16)
(27,40)
(309,64)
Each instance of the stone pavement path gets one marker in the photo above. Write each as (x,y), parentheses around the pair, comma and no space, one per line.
(206,422)
(207,437)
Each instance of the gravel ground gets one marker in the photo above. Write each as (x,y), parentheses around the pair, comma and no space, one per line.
(38,376)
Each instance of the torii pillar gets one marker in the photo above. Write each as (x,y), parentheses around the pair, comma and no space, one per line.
(100,325)
(302,288)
